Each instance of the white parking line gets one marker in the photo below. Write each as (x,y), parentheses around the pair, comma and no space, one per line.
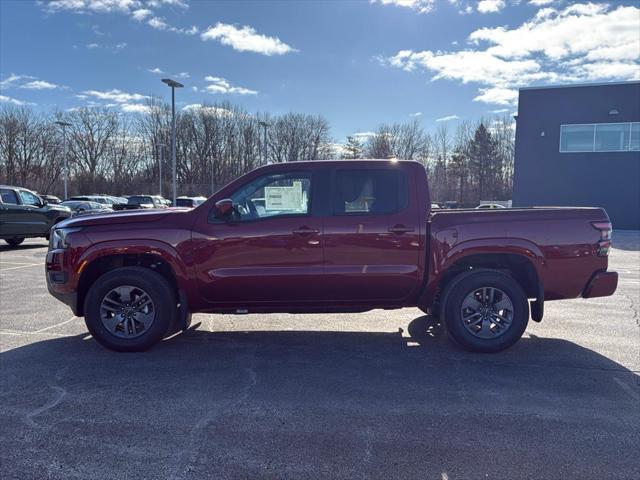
(21,266)
(19,333)
(56,325)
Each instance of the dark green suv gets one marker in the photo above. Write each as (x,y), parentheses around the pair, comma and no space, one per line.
(23,214)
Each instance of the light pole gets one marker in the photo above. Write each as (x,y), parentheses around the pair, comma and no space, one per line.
(160,147)
(64,126)
(264,143)
(173,84)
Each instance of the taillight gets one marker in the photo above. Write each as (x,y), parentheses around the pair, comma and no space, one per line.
(604,244)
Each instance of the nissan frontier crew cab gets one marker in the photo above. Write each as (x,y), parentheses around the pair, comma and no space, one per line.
(327,236)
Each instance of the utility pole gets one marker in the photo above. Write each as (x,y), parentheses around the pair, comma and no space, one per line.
(173,84)
(64,126)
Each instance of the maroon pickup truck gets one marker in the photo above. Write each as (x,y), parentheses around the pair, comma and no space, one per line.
(327,236)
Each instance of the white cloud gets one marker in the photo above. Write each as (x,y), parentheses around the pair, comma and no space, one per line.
(134,108)
(468,66)
(497,95)
(363,136)
(27,82)
(499,110)
(158,23)
(220,85)
(415,114)
(138,10)
(156,70)
(141,14)
(93,6)
(490,6)
(114,95)
(208,109)
(541,3)
(421,6)
(183,75)
(12,80)
(552,47)
(113,48)
(246,39)
(39,85)
(447,118)
(176,3)
(14,101)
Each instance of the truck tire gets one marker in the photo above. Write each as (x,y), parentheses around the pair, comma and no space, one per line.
(485,311)
(130,309)
(14,242)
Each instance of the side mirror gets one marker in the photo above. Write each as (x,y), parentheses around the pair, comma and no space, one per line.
(223,208)
(44,202)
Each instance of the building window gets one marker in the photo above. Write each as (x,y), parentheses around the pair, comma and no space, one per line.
(600,137)
(634,140)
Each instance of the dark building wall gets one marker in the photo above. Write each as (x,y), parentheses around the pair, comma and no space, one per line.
(543,176)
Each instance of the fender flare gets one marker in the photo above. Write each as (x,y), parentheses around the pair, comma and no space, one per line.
(487,246)
(138,247)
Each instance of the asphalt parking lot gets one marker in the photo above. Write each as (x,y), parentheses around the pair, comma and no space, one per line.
(382,394)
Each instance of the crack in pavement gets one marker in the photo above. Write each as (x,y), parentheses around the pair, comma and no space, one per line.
(189,455)
(61,392)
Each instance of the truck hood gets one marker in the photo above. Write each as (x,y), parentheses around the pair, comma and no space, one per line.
(119,218)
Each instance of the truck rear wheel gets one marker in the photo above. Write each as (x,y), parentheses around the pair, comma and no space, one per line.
(130,309)
(485,311)
(14,242)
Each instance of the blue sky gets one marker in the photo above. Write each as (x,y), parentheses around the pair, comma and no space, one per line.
(358,63)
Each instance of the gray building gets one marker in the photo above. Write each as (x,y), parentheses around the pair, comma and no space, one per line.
(579,145)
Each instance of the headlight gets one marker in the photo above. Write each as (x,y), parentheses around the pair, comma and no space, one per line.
(59,237)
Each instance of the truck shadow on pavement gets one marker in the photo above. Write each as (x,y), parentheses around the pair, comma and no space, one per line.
(332,403)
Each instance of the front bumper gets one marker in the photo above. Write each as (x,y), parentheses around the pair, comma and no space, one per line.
(602,284)
(58,279)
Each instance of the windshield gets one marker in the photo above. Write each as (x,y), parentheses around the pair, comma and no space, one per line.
(138,199)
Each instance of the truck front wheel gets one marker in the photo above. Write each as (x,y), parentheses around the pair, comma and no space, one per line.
(485,311)
(130,309)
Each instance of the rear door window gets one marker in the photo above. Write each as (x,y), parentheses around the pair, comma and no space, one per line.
(8,196)
(372,191)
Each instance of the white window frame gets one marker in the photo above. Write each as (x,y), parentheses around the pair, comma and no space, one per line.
(593,144)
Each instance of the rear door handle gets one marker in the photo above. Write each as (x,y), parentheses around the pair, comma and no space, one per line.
(305,231)
(400,229)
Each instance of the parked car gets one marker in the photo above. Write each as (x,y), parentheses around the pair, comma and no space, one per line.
(190,202)
(102,199)
(52,199)
(489,206)
(23,214)
(80,207)
(137,202)
(331,236)
(160,202)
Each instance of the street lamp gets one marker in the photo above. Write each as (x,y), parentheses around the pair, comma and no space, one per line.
(264,142)
(64,126)
(173,84)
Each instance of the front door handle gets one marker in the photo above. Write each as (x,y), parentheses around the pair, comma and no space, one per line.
(400,229)
(305,231)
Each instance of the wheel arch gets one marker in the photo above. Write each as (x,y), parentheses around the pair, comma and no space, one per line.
(101,259)
(522,268)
